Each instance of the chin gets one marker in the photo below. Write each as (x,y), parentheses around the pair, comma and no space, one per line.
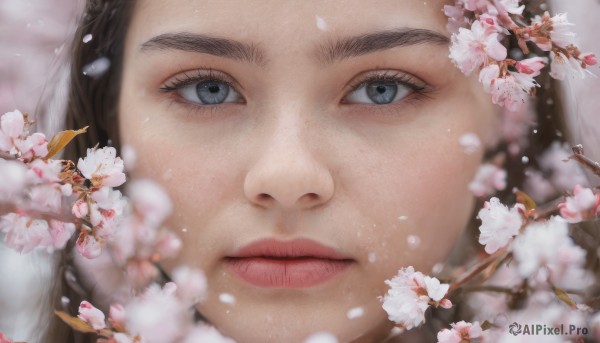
(290,321)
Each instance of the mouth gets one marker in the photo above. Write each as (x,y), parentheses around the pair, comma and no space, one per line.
(287,264)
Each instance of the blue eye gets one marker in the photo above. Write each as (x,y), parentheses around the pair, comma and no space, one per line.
(209,92)
(378,92)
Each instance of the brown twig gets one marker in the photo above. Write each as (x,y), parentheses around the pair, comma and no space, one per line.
(584,160)
(477,269)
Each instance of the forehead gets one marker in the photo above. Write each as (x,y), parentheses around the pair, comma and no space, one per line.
(283,22)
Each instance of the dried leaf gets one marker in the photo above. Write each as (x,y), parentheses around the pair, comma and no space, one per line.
(74,322)
(526,200)
(564,296)
(61,139)
(486,325)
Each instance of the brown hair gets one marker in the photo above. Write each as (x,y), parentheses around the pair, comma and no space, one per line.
(92,101)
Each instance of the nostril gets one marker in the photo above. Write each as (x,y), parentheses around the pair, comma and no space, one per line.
(264,197)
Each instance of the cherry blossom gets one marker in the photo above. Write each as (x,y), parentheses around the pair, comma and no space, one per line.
(584,204)
(191,284)
(157,316)
(461,332)
(150,200)
(87,245)
(488,179)
(410,294)
(564,174)
(498,224)
(91,315)
(545,252)
(11,127)
(562,66)
(102,167)
(561,34)
(12,174)
(512,90)
(470,49)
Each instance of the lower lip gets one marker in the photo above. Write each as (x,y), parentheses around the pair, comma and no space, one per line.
(286,273)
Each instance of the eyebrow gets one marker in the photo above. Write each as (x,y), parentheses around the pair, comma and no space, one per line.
(201,43)
(382,40)
(330,52)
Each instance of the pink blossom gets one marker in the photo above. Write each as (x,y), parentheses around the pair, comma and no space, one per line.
(140,272)
(12,125)
(489,178)
(561,34)
(157,316)
(168,244)
(102,167)
(206,334)
(516,125)
(531,66)
(410,294)
(546,253)
(564,174)
(12,174)
(46,198)
(4,339)
(191,284)
(60,233)
(584,204)
(512,90)
(116,315)
(23,233)
(91,315)
(150,200)
(456,17)
(488,75)
(87,245)
(80,209)
(109,199)
(470,49)
(35,145)
(589,59)
(498,224)
(461,332)
(41,171)
(510,6)
(562,66)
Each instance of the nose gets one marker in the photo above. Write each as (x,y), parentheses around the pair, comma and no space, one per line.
(287,175)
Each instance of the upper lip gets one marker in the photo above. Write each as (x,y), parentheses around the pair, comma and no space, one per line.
(297,248)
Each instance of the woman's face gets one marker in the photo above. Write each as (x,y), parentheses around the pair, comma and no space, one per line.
(329,122)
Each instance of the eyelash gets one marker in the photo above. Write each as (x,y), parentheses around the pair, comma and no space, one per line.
(419,88)
(190,78)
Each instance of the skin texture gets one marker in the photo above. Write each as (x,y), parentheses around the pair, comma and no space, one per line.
(293,159)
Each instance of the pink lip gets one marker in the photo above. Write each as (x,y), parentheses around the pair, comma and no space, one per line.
(286,264)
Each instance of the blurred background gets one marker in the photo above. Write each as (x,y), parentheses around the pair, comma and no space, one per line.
(34,44)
